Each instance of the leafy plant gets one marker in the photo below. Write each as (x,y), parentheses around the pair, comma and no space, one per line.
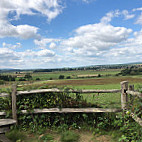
(46,138)
(16,136)
(69,136)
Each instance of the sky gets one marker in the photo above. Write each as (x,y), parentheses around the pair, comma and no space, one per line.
(69,33)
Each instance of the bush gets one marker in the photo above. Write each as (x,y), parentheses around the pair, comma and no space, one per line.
(1,82)
(47,137)
(61,77)
(22,79)
(37,79)
(28,76)
(15,135)
(68,77)
(69,136)
(99,75)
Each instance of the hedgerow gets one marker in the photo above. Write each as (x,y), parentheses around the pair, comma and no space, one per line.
(130,130)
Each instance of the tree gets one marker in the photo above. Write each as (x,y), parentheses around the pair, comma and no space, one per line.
(61,77)
(68,77)
(28,76)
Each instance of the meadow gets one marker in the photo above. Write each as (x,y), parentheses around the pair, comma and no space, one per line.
(107,80)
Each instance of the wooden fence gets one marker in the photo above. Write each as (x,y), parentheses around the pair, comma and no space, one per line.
(125,90)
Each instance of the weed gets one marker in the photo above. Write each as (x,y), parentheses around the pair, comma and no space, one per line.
(16,136)
(69,136)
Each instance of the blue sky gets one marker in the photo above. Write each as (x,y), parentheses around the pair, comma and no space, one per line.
(69,33)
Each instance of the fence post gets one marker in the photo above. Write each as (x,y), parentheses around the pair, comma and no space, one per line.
(131,88)
(14,109)
(124,98)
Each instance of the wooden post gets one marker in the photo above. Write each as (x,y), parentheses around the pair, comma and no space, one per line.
(14,109)
(131,88)
(124,98)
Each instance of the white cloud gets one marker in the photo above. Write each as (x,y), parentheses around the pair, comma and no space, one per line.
(21,31)
(47,8)
(108,17)
(137,9)
(10,46)
(45,53)
(96,37)
(129,51)
(9,58)
(44,42)
(52,45)
(117,13)
(139,20)
(127,15)
(88,1)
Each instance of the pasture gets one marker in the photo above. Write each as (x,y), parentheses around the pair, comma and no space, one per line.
(108,80)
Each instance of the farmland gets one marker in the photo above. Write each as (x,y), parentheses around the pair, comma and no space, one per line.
(107,79)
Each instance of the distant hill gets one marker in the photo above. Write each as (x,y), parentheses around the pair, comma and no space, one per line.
(90,67)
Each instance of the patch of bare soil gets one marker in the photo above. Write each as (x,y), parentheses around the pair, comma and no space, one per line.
(103,138)
(89,137)
(86,137)
(97,81)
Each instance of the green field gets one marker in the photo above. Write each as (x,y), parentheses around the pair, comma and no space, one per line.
(72,74)
(108,80)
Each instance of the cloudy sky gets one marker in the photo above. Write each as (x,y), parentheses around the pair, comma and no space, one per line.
(69,33)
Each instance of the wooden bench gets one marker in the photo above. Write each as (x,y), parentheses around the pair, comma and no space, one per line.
(4,127)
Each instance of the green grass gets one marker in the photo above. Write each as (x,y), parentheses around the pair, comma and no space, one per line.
(73,74)
(69,136)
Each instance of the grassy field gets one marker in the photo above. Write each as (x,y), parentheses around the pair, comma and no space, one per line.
(72,74)
(108,81)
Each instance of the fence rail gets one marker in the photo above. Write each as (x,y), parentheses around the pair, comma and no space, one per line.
(55,90)
(69,110)
(125,90)
(133,93)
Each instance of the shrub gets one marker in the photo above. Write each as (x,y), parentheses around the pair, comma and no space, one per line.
(47,137)
(69,136)
(68,77)
(22,79)
(15,136)
(99,75)
(28,76)
(37,78)
(1,82)
(61,77)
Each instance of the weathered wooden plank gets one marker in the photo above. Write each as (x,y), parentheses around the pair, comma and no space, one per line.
(2,113)
(137,119)
(71,110)
(132,98)
(14,109)
(3,138)
(4,129)
(55,90)
(4,122)
(4,95)
(133,93)
(124,99)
